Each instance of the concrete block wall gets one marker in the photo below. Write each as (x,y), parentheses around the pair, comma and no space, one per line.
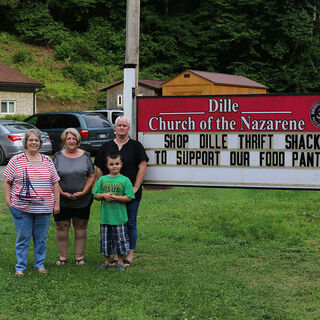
(24,101)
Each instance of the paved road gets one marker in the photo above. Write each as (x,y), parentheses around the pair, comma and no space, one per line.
(1,172)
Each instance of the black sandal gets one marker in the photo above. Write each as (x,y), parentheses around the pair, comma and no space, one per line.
(78,262)
(113,263)
(127,263)
(61,262)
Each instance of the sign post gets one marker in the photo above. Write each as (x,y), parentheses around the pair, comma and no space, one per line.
(130,79)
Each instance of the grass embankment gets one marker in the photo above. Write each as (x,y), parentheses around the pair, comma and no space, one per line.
(203,253)
(63,91)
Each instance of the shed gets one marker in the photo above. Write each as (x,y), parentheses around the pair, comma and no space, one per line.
(146,87)
(17,92)
(194,82)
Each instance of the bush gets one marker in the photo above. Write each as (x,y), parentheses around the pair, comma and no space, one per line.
(21,56)
(76,49)
(101,101)
(65,91)
(18,117)
(101,44)
(100,74)
(34,23)
(80,72)
(4,37)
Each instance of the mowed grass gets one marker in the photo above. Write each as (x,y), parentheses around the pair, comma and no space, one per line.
(203,253)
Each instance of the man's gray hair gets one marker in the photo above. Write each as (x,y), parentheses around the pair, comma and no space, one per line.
(122,118)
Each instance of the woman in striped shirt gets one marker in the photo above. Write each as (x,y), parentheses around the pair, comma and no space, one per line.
(32,194)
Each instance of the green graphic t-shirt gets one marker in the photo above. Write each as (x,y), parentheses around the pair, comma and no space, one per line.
(114,212)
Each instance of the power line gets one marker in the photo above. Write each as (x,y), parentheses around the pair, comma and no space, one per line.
(313,6)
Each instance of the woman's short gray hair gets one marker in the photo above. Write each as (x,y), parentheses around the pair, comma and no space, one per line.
(74,132)
(28,133)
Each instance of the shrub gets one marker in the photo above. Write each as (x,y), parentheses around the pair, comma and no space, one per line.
(101,101)
(100,74)
(18,117)
(34,23)
(65,91)
(4,37)
(76,49)
(80,72)
(21,56)
(100,44)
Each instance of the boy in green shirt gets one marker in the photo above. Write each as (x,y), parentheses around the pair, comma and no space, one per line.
(114,190)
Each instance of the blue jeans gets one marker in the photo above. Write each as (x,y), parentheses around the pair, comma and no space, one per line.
(30,225)
(132,211)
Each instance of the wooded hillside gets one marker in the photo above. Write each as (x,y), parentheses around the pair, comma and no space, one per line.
(276,43)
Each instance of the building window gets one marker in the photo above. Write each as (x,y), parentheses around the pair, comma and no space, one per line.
(8,107)
(119,100)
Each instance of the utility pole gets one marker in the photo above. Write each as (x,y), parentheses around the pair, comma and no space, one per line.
(131,66)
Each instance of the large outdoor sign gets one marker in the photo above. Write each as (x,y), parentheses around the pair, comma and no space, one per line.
(236,141)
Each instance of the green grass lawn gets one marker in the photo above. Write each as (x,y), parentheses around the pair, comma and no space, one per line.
(203,253)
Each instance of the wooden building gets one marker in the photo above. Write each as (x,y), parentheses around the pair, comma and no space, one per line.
(17,92)
(146,87)
(193,82)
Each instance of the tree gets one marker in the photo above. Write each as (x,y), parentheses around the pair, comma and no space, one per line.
(273,42)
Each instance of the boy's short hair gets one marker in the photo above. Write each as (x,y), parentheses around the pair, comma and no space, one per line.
(113,155)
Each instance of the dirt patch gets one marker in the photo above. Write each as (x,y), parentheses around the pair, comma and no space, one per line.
(158,187)
(53,106)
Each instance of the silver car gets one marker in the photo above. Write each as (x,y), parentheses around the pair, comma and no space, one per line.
(12,137)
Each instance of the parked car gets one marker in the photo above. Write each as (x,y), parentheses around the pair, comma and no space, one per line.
(110,114)
(93,128)
(12,137)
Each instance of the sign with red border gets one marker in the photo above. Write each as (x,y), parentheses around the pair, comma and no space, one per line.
(270,141)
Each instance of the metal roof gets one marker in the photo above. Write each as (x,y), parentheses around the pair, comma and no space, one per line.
(227,79)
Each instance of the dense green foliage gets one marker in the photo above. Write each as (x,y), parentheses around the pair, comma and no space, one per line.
(18,117)
(273,42)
